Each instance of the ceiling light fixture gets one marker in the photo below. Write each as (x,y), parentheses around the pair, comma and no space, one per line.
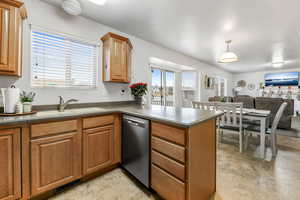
(277,64)
(228,56)
(71,7)
(98,2)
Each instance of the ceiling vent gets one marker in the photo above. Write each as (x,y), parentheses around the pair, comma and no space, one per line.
(72,7)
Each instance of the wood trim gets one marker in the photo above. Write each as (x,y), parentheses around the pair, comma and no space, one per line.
(119,37)
(117,139)
(26,162)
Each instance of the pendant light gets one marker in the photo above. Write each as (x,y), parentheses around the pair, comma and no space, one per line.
(228,56)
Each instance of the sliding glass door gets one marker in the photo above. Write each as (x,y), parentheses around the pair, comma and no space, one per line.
(163,84)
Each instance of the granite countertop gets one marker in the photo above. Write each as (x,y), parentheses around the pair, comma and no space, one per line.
(184,117)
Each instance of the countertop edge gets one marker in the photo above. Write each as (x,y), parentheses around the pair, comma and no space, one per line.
(18,122)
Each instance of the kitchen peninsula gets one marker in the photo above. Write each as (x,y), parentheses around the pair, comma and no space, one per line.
(51,149)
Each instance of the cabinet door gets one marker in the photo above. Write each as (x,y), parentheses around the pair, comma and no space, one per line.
(10,40)
(118,66)
(55,161)
(98,151)
(10,167)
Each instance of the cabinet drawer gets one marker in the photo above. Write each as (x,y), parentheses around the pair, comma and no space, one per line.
(92,122)
(172,150)
(169,133)
(45,129)
(166,185)
(169,165)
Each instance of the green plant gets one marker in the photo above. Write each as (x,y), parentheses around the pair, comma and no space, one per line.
(223,99)
(27,97)
(138,89)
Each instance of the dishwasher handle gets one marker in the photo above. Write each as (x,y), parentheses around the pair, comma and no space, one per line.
(135,123)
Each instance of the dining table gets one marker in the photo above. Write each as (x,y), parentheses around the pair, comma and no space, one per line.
(263,116)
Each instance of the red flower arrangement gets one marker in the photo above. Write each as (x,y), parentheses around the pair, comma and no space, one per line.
(138,89)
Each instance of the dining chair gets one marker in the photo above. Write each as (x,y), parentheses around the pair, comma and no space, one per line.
(205,105)
(232,120)
(270,132)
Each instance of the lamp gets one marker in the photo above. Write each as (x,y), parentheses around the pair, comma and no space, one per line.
(228,56)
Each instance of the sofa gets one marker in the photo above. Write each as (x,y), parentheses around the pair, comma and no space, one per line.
(266,103)
(273,104)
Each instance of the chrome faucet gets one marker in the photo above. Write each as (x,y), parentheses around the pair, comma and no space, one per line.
(63,104)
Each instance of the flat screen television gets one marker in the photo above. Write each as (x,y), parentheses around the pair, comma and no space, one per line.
(282,79)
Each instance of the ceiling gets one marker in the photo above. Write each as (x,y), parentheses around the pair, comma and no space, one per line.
(261,30)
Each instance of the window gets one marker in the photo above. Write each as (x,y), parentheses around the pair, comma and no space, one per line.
(59,61)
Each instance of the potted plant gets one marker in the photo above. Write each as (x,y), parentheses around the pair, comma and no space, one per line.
(26,100)
(138,90)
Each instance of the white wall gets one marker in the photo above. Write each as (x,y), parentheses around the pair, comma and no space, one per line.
(52,18)
(255,78)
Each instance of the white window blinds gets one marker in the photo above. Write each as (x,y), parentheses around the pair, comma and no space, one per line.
(59,61)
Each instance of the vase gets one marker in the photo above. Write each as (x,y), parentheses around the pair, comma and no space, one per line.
(27,107)
(138,100)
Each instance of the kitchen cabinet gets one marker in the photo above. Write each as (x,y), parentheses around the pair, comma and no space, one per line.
(183,161)
(117,52)
(55,159)
(98,148)
(67,150)
(12,13)
(10,164)
(101,142)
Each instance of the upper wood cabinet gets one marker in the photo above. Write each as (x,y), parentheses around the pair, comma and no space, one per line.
(12,13)
(116,58)
(10,164)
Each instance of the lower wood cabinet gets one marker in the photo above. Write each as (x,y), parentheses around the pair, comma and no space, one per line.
(55,161)
(64,151)
(183,161)
(10,164)
(98,148)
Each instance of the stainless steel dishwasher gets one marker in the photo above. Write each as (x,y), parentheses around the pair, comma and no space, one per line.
(136,148)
